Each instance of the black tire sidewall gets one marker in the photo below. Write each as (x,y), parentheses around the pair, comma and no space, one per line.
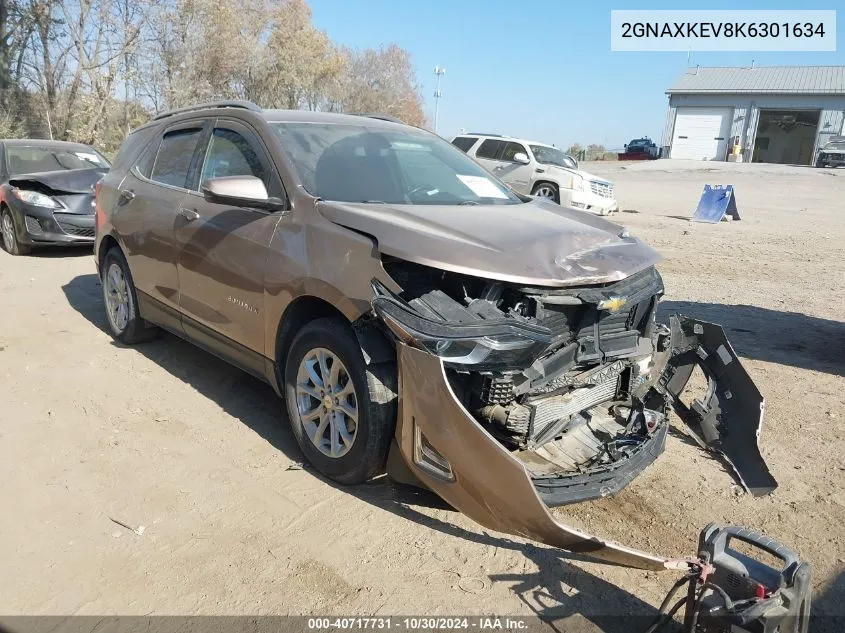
(17,248)
(355,466)
(134,324)
(554,187)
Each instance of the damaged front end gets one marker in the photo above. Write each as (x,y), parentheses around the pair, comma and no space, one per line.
(576,383)
(514,399)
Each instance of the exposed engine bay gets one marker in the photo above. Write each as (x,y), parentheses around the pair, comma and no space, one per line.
(575,382)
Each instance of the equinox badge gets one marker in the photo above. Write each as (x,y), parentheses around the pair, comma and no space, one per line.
(242,304)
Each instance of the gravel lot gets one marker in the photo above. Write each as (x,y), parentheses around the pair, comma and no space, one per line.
(167,437)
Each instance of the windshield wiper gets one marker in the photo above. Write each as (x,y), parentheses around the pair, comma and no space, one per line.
(463,203)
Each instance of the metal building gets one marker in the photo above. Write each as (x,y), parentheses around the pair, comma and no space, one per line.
(775,114)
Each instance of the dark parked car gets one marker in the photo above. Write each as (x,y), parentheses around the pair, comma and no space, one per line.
(640,149)
(414,312)
(47,193)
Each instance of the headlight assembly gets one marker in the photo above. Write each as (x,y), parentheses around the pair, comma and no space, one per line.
(486,345)
(576,182)
(35,198)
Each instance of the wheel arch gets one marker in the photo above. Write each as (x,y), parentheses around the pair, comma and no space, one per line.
(298,313)
(17,222)
(545,181)
(106,244)
(375,346)
(4,205)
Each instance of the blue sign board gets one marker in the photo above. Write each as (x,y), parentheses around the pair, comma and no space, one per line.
(716,202)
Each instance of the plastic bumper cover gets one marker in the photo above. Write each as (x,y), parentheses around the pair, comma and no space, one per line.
(487,483)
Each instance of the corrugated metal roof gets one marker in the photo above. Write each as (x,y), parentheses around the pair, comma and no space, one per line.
(762,80)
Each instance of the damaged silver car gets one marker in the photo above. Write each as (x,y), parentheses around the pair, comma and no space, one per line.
(415,313)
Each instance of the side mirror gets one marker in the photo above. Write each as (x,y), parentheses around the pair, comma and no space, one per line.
(521,158)
(240,191)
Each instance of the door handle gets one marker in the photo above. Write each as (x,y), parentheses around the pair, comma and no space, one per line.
(125,196)
(539,171)
(189,214)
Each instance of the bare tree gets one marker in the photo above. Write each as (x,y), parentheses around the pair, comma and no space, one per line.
(90,70)
(383,80)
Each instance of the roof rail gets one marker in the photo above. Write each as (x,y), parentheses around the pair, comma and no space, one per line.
(243,105)
(382,117)
(483,134)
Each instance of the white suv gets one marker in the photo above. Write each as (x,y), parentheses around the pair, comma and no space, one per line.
(541,170)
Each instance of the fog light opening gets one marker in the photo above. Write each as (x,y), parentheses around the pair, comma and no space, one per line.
(33,225)
(428,459)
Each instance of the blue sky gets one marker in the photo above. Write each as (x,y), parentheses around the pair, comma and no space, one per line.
(542,71)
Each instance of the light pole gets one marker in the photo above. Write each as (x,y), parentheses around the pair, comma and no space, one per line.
(437,94)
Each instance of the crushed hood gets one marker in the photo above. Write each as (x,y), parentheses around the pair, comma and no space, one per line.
(62,181)
(537,243)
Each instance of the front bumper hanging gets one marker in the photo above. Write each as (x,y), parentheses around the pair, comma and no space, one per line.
(446,449)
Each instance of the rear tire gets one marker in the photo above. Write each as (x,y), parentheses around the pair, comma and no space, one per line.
(10,237)
(121,301)
(547,190)
(342,411)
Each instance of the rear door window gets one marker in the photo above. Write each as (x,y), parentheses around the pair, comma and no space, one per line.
(464,143)
(173,160)
(490,149)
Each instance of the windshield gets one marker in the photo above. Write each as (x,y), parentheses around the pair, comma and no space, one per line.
(552,156)
(24,159)
(357,163)
(640,142)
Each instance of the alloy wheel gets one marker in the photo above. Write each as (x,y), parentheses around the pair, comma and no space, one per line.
(326,402)
(8,232)
(544,191)
(117,297)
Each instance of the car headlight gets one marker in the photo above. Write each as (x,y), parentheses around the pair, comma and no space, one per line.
(36,199)
(576,182)
(486,345)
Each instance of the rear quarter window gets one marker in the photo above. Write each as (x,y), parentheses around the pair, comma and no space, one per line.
(464,143)
(132,147)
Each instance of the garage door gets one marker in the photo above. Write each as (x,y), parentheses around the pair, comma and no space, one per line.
(701,133)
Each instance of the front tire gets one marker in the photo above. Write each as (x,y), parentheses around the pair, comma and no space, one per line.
(342,411)
(121,301)
(547,190)
(10,237)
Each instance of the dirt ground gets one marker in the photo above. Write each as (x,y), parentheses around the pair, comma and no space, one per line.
(167,437)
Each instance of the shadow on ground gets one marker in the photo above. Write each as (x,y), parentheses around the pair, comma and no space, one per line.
(829,607)
(773,336)
(592,601)
(48,252)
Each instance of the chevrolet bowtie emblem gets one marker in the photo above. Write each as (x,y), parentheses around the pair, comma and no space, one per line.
(614,304)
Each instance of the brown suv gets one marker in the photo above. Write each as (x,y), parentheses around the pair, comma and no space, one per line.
(414,312)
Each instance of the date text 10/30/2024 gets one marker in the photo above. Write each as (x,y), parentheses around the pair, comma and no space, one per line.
(418,623)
